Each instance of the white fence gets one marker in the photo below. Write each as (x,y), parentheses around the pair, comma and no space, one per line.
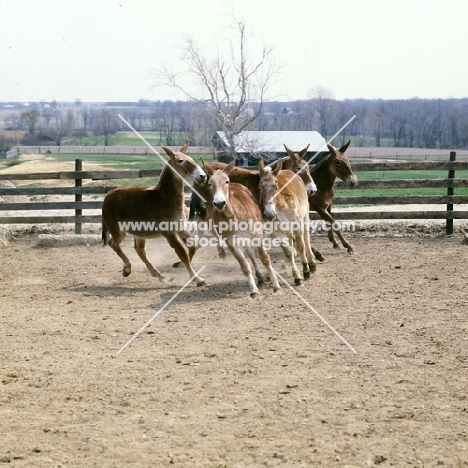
(8,154)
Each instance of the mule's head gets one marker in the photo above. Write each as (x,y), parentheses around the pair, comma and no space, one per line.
(340,165)
(268,187)
(184,165)
(218,184)
(299,166)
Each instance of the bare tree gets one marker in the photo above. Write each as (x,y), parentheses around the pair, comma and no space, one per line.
(30,119)
(232,89)
(62,127)
(105,125)
(324,106)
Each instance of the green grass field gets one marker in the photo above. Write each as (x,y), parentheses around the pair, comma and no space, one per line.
(395,175)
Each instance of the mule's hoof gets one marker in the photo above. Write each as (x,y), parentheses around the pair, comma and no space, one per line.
(178,265)
(203,283)
(312,267)
(298,282)
(222,253)
(306,275)
(254,295)
(162,278)
(320,257)
(126,271)
(336,246)
(276,289)
(350,250)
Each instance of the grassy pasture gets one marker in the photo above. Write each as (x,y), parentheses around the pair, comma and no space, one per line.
(394,175)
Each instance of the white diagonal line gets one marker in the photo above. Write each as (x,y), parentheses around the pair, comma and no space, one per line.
(315,312)
(319,151)
(157,153)
(161,309)
(333,137)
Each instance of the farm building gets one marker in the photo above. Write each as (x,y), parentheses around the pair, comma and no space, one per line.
(269,145)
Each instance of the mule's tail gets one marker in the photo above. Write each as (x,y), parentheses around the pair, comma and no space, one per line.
(105,235)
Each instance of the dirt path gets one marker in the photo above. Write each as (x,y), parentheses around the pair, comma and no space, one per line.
(219,380)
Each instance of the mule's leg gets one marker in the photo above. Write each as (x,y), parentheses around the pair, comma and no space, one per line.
(310,254)
(238,254)
(114,242)
(191,246)
(185,235)
(318,255)
(139,244)
(265,259)
(183,253)
(290,253)
(251,254)
(308,262)
(221,251)
(345,243)
(325,215)
(342,238)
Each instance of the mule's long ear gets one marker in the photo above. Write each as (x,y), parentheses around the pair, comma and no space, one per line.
(229,167)
(290,152)
(207,168)
(261,166)
(184,148)
(278,167)
(303,152)
(168,151)
(331,149)
(344,147)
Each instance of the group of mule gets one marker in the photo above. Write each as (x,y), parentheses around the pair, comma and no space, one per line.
(284,191)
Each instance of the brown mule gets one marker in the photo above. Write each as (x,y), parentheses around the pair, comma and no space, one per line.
(336,164)
(146,213)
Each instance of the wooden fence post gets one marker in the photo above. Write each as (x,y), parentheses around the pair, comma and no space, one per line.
(451,176)
(78,196)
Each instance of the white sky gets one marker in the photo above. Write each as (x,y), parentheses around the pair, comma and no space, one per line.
(102,50)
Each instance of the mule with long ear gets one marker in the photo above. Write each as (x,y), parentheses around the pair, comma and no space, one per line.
(284,200)
(233,205)
(149,212)
(335,165)
(296,163)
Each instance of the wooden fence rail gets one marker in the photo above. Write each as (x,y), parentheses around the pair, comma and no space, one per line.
(449,214)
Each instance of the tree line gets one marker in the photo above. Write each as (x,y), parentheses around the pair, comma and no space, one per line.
(419,123)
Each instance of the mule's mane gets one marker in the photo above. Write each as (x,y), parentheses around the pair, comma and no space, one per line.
(322,161)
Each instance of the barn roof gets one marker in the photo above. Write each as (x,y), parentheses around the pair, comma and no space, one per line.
(272,142)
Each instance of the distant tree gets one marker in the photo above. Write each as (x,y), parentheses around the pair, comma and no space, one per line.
(379,114)
(62,127)
(324,104)
(30,118)
(105,125)
(13,121)
(232,86)
(5,144)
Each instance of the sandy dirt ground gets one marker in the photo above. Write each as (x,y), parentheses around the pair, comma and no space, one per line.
(220,380)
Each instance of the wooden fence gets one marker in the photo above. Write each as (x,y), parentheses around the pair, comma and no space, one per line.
(448,201)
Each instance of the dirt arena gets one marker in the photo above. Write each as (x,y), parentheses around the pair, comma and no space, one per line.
(220,380)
